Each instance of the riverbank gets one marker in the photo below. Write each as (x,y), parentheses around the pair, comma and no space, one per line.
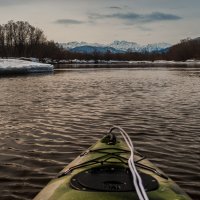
(145,62)
(110,62)
(16,66)
(13,66)
(127,64)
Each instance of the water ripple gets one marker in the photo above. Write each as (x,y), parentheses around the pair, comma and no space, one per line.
(46,121)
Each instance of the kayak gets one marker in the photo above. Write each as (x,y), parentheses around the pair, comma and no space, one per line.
(102,172)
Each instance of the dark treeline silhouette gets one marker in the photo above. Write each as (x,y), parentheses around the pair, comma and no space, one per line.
(20,39)
(186,49)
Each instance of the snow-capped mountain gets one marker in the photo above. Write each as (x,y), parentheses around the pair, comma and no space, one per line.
(114,47)
(74,44)
(92,49)
(155,47)
(125,46)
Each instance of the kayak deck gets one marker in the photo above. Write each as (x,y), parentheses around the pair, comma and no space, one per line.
(101,173)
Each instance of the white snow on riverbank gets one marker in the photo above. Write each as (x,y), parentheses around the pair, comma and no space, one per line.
(190,62)
(166,62)
(13,66)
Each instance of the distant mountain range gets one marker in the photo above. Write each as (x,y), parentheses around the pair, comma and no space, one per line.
(114,47)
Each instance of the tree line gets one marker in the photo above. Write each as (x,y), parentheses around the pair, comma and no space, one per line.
(20,39)
(187,49)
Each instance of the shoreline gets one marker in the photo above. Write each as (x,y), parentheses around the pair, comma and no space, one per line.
(16,66)
(104,62)
(129,64)
(115,62)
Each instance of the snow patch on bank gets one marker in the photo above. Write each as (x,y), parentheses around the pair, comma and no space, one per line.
(15,66)
(189,62)
(165,62)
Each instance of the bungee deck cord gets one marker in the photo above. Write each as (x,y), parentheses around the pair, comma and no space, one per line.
(137,181)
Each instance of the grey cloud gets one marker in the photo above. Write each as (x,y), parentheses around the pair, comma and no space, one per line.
(157,16)
(25,2)
(131,18)
(11,2)
(115,7)
(68,21)
(19,2)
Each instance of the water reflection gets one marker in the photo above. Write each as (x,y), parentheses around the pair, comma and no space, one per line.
(46,121)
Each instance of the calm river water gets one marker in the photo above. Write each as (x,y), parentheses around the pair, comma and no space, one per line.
(48,120)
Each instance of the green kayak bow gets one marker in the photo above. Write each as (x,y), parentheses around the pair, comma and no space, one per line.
(105,172)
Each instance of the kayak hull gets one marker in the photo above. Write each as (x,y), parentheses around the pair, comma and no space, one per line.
(61,187)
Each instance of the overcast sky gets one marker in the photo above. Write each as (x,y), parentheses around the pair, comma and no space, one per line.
(102,21)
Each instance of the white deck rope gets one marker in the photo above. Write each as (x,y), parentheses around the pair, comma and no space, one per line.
(137,181)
